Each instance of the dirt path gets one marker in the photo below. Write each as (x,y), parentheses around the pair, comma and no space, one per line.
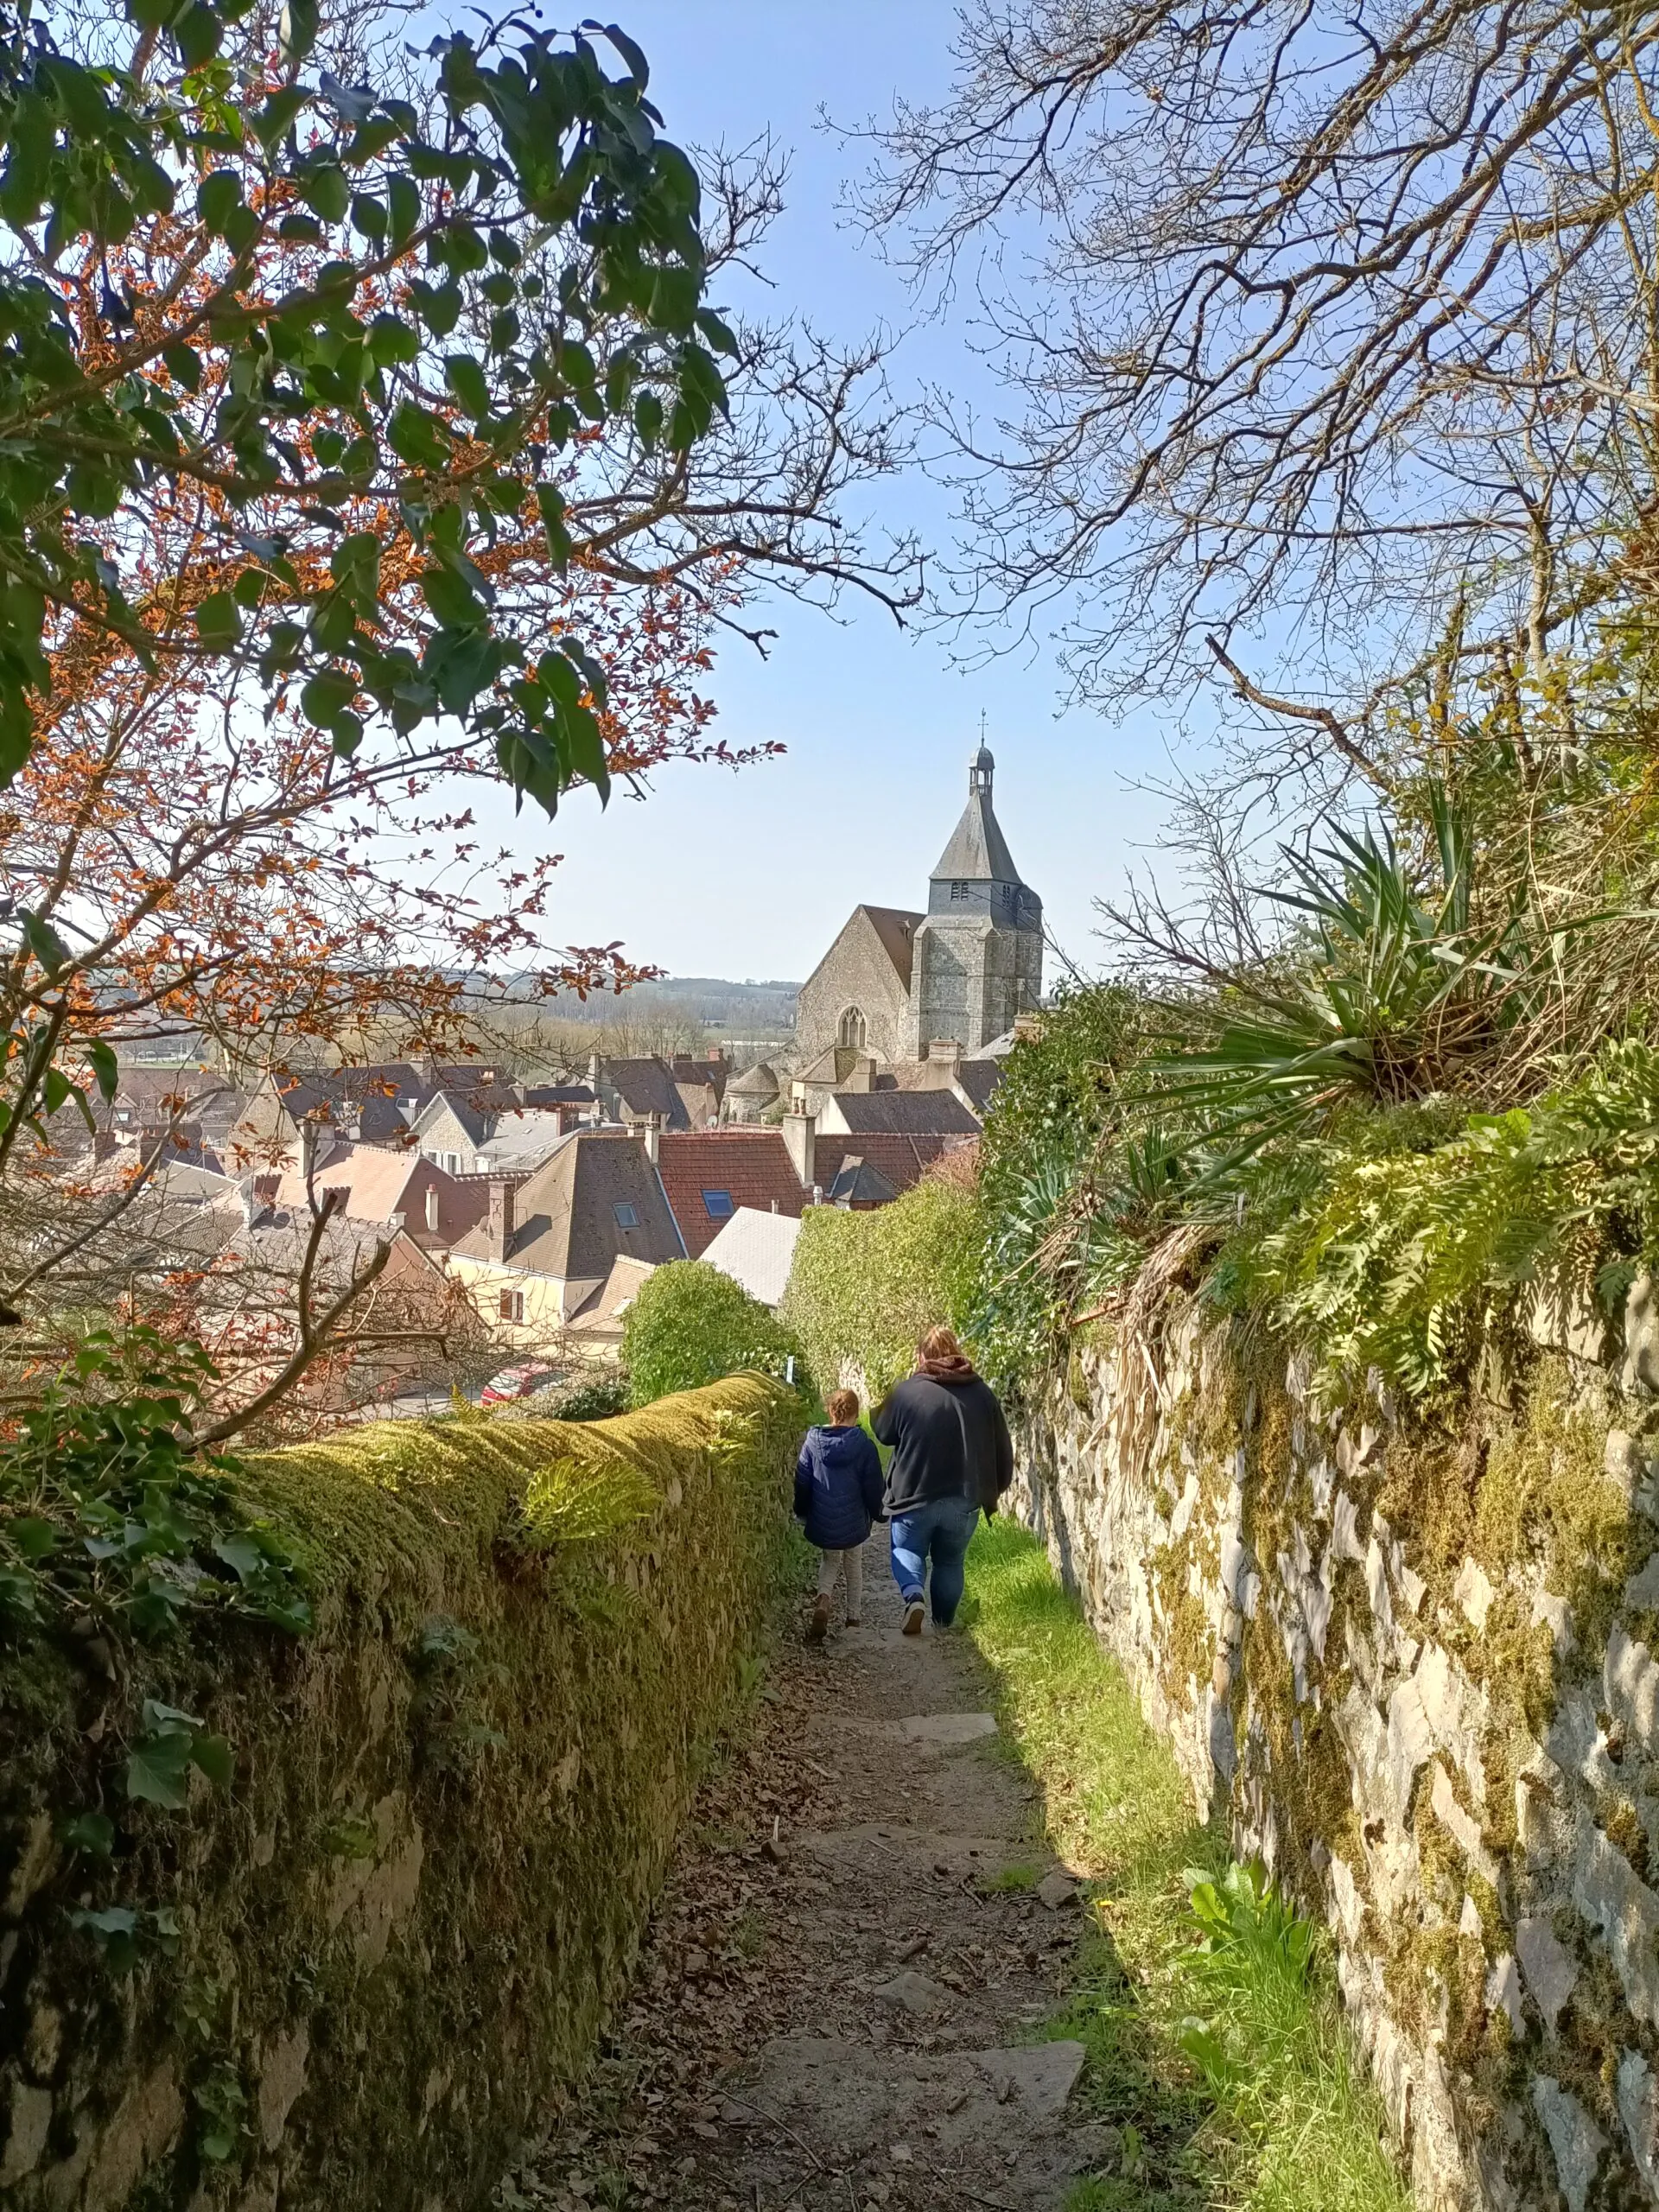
(835,2007)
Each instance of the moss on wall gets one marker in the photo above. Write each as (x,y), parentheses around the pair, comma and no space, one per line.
(363,1966)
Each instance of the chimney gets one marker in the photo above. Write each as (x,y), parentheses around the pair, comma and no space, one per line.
(946,1051)
(652,1133)
(592,1073)
(103,1145)
(800,1129)
(499,1225)
(817,1194)
(432,1209)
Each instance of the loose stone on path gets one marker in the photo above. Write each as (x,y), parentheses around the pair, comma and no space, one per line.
(863,1926)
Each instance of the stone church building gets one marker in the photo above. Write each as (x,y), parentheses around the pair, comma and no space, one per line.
(895,983)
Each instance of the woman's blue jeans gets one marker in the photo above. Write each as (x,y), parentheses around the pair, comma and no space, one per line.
(941,1529)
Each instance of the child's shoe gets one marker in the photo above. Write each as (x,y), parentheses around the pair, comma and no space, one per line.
(817,1627)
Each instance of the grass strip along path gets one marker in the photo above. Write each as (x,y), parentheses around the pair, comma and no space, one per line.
(1217,2052)
(870,1985)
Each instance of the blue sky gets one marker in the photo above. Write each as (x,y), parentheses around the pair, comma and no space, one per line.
(751,876)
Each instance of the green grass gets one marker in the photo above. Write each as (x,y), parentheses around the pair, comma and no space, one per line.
(1228,2070)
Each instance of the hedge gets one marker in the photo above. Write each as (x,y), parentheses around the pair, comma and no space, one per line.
(864,1286)
(688,1324)
(359,1969)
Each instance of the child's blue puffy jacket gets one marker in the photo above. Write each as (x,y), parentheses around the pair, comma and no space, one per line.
(837,1487)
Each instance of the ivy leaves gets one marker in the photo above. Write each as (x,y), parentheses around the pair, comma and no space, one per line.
(107,1509)
(174,1743)
(277,348)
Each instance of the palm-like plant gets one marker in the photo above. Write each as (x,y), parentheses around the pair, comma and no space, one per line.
(1403,982)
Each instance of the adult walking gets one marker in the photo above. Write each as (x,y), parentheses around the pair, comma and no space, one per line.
(953,1456)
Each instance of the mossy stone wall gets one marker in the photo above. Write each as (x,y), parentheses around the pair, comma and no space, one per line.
(402,1925)
(1412,1664)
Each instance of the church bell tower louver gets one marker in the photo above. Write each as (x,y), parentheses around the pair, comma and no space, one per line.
(978,960)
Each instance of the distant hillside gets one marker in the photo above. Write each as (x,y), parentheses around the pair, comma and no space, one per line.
(751,1008)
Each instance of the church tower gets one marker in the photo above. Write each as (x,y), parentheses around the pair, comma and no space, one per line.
(978,959)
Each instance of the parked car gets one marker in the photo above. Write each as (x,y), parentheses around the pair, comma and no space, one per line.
(520,1381)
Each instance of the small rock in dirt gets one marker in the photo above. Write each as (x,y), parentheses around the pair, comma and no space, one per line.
(706,2130)
(913,1949)
(695,1962)
(945,1727)
(1056,1888)
(899,2153)
(734,2115)
(776,1851)
(955,2103)
(914,1992)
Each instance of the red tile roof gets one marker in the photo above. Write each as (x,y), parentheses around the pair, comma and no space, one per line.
(753,1165)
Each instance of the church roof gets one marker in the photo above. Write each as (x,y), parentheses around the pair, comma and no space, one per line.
(896,926)
(978,852)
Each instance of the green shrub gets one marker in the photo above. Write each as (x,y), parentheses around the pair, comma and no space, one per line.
(865,1286)
(690,1325)
(595,1396)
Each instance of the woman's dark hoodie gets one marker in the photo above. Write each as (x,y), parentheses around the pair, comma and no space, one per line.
(948,1439)
(837,1487)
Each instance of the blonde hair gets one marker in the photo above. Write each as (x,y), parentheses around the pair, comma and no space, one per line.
(841,1406)
(939,1343)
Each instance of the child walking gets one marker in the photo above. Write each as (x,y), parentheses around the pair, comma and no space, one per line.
(838,1495)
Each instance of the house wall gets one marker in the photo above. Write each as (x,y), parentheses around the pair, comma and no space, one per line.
(1413,1665)
(443,1134)
(546,1298)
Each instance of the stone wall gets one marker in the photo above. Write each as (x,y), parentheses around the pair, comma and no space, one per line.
(1411,1663)
(356,1973)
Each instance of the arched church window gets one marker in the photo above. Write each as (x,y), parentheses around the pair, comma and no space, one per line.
(854,1030)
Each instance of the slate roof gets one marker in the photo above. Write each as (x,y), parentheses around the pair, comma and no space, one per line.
(759,1082)
(902,1159)
(564,1216)
(367,1096)
(647,1086)
(858,1182)
(521,1142)
(979,1078)
(978,852)
(753,1165)
(913,1112)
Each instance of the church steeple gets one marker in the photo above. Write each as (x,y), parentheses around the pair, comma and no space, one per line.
(977,965)
(976,872)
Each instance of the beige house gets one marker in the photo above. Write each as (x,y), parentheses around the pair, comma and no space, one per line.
(561,1253)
